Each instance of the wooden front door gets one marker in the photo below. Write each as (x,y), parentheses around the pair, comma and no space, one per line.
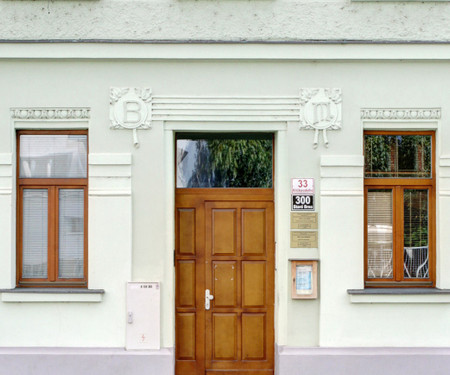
(224,245)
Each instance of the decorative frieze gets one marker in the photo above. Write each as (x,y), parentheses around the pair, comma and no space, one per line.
(249,109)
(400,113)
(60,113)
(320,110)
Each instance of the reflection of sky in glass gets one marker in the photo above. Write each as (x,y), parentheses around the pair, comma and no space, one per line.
(53,156)
(186,156)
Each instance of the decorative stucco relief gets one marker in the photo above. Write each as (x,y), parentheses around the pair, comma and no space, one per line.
(320,110)
(131,108)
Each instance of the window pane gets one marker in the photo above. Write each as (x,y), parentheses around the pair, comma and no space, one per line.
(53,156)
(222,161)
(397,156)
(415,241)
(34,242)
(379,233)
(71,233)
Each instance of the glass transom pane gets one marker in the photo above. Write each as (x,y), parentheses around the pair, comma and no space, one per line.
(415,240)
(71,233)
(223,161)
(35,233)
(397,156)
(53,156)
(379,234)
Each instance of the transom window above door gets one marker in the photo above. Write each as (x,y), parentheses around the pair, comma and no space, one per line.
(242,160)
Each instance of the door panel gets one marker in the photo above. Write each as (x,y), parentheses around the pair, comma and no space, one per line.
(186,230)
(253,283)
(225,243)
(186,284)
(224,283)
(253,232)
(224,231)
(224,337)
(185,326)
(253,336)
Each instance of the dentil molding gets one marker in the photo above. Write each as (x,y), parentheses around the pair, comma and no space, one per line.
(49,113)
(400,113)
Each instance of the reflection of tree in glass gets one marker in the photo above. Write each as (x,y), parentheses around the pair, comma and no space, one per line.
(397,156)
(415,218)
(377,153)
(414,154)
(233,163)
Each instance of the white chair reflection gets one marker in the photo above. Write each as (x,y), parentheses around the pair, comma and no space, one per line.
(380,264)
(415,262)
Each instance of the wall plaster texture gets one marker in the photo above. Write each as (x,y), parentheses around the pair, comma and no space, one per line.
(224,20)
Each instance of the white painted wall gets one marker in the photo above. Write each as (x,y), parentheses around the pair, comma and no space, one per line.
(136,244)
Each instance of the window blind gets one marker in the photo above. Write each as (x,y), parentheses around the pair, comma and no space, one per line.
(53,156)
(35,233)
(379,229)
(71,233)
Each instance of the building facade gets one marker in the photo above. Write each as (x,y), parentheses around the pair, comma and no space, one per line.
(131,244)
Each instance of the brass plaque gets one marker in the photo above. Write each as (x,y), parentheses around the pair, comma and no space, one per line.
(304,239)
(304,220)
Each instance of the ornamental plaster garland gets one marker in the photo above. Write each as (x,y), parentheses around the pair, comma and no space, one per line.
(320,110)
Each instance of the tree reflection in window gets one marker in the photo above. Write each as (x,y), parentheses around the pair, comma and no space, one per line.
(224,161)
(397,156)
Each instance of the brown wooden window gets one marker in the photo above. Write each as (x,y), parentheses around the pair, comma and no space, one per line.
(399,189)
(52,208)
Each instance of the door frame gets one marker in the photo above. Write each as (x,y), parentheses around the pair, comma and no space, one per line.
(281,217)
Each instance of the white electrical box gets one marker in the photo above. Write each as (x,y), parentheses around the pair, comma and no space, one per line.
(143,315)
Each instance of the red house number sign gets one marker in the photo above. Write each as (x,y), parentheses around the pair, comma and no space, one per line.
(302,186)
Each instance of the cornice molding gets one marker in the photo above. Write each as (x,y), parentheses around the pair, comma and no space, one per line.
(51,113)
(400,114)
(190,50)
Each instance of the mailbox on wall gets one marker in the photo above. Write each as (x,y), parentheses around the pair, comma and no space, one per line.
(143,315)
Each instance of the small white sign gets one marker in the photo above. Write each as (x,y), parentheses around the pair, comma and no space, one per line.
(302,186)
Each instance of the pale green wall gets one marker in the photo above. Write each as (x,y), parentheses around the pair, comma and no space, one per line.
(41,83)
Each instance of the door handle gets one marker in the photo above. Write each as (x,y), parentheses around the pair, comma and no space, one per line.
(208,297)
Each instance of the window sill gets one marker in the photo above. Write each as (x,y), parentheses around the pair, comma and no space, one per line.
(399,295)
(51,295)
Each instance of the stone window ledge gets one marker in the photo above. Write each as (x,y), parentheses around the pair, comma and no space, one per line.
(399,295)
(51,295)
